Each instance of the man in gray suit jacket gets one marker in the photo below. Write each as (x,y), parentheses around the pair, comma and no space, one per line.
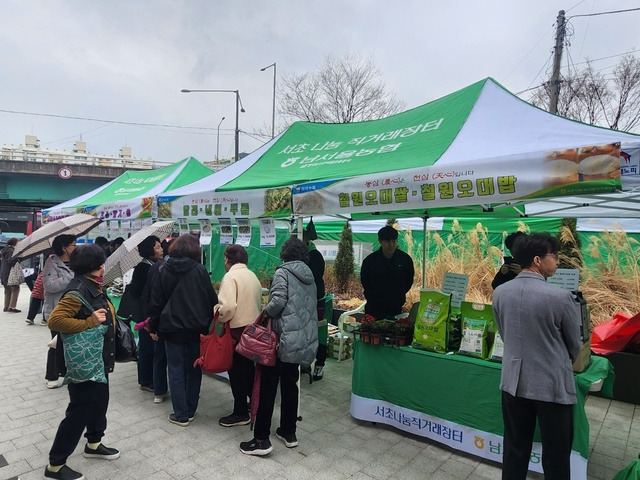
(540,328)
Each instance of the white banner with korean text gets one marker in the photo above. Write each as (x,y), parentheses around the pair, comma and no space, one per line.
(456,436)
(232,204)
(515,177)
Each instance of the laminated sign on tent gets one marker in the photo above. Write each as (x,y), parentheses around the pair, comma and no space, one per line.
(202,200)
(132,194)
(480,149)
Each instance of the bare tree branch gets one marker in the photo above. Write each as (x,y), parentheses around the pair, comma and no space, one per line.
(589,97)
(345,89)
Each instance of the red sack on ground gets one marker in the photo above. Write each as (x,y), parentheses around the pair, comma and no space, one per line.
(216,352)
(616,334)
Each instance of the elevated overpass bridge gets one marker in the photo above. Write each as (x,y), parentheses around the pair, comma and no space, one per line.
(33,180)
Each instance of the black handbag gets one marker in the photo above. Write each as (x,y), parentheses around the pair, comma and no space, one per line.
(126,350)
(130,306)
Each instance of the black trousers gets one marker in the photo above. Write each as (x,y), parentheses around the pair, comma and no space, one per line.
(145,358)
(241,379)
(88,403)
(321,354)
(35,307)
(55,361)
(287,374)
(556,429)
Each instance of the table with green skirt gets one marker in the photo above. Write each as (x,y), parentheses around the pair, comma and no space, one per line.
(454,399)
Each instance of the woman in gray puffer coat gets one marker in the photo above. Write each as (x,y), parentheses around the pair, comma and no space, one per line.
(292,305)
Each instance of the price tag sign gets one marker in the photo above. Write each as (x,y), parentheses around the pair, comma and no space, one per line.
(244,231)
(267,232)
(205,231)
(184,225)
(455,284)
(567,278)
(226,231)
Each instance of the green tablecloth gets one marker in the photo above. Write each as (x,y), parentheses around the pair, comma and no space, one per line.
(461,390)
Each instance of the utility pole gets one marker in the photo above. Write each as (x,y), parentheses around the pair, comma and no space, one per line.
(554,82)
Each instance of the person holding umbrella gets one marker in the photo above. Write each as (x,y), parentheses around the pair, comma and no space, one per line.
(56,275)
(181,309)
(132,306)
(10,291)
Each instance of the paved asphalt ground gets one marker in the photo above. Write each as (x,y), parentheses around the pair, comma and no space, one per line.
(333,445)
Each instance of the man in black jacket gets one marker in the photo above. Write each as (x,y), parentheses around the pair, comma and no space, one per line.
(386,276)
(316,264)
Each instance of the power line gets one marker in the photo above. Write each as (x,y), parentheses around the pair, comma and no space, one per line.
(577,5)
(586,30)
(604,13)
(118,122)
(528,53)
(606,58)
(537,75)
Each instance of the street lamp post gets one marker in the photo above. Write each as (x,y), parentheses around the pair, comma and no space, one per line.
(273,115)
(239,108)
(218,139)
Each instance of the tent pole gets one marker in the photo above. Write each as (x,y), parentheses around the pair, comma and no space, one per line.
(425,249)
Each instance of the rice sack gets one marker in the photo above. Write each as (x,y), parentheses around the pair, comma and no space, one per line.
(476,321)
(430,331)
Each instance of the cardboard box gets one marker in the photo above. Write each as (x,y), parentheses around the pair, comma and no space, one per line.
(333,346)
(582,361)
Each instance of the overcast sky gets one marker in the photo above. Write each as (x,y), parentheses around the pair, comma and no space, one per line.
(126,60)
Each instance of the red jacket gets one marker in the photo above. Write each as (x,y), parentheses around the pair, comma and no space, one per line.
(38,289)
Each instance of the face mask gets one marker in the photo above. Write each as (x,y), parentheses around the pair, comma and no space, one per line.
(98,279)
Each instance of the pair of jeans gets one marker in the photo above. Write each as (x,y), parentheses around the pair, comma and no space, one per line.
(556,429)
(184,378)
(160,386)
(88,403)
(145,358)
(287,375)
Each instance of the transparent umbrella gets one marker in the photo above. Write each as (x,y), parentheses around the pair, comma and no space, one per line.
(126,256)
(42,239)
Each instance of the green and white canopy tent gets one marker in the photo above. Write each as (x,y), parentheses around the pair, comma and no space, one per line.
(480,150)
(131,195)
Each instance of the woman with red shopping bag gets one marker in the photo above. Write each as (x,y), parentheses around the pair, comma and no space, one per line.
(238,305)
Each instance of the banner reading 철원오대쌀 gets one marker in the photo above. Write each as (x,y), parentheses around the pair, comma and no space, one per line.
(570,172)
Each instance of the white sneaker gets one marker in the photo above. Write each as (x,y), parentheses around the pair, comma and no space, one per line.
(53,383)
(43,323)
(160,398)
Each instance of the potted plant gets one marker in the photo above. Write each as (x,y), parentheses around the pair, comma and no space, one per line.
(379,330)
(402,331)
(366,328)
